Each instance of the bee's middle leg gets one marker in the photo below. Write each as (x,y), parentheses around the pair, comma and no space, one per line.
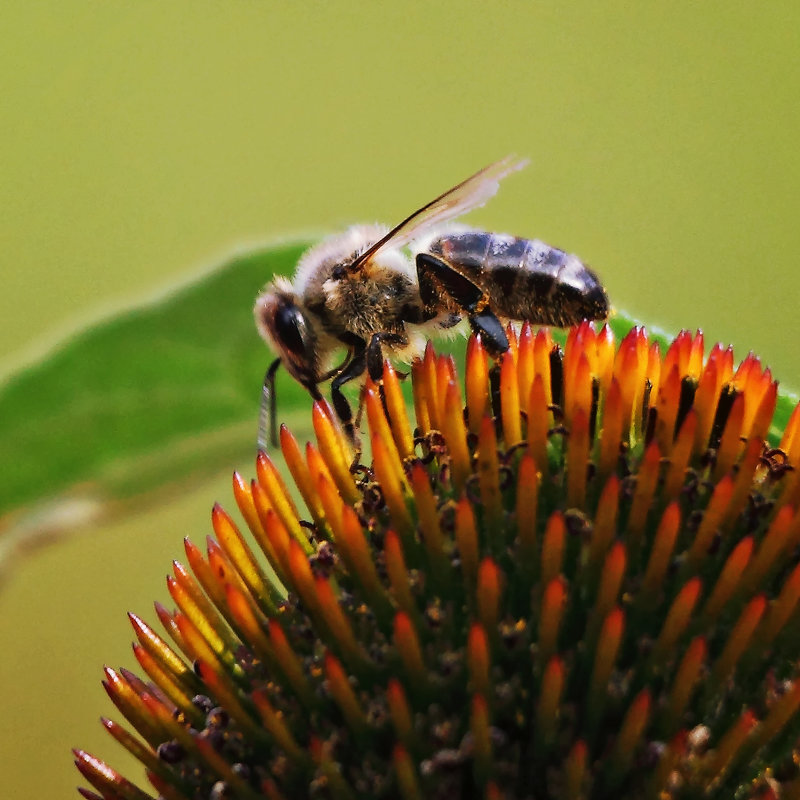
(437,276)
(375,352)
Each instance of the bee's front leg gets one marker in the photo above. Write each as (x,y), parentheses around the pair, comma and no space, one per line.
(437,277)
(354,369)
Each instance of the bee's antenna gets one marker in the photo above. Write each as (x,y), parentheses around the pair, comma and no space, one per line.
(268,408)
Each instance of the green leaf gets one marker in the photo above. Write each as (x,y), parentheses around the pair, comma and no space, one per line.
(149,399)
(156,394)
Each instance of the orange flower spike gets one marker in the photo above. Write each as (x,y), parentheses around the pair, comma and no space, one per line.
(542,347)
(477,382)
(782,609)
(243,495)
(488,468)
(163,653)
(578,445)
(613,425)
(790,441)
(778,716)
(204,576)
(695,365)
(421,392)
(729,578)
(408,648)
(302,579)
(679,458)
(712,517)
(677,355)
(203,616)
(762,419)
(743,482)
(626,371)
(550,692)
(605,523)
(134,746)
(706,398)
(525,370)
(686,677)
(177,694)
(642,359)
(575,770)
(467,542)
(729,745)
(774,544)
(478,659)
(428,518)
(554,601)
(488,594)
(343,694)
(676,621)
(396,406)
(445,374)
(335,451)
(393,490)
(538,422)
(604,658)
(247,618)
(654,373)
(730,444)
(198,647)
(106,780)
(553,544)
(271,482)
(431,385)
(275,543)
(290,664)
(455,433)
(527,502)
(274,724)
(301,474)
(482,745)
(630,736)
(667,409)
(643,494)
(604,367)
(239,553)
(338,624)
(223,572)
(610,580)
(398,572)
(379,428)
(355,552)
(511,335)
(739,638)
(509,401)
(168,622)
(130,704)
(405,774)
(399,711)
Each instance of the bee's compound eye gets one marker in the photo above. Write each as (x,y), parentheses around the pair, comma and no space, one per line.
(290,327)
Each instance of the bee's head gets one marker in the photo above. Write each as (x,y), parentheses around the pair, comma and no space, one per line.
(281,322)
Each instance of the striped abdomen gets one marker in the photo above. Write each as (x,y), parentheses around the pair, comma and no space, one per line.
(525,279)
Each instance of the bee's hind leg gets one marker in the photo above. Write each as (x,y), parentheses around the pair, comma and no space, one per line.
(437,276)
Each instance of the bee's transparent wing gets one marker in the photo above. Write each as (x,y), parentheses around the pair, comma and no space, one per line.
(475,191)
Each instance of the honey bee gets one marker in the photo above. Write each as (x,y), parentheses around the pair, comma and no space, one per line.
(369,290)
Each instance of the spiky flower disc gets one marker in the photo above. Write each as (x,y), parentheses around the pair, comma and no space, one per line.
(584,586)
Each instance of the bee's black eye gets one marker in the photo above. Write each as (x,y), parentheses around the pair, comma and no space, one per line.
(290,327)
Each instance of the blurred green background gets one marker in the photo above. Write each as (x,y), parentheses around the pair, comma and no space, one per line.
(142,140)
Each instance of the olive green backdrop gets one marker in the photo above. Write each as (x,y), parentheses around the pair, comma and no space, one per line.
(141,140)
